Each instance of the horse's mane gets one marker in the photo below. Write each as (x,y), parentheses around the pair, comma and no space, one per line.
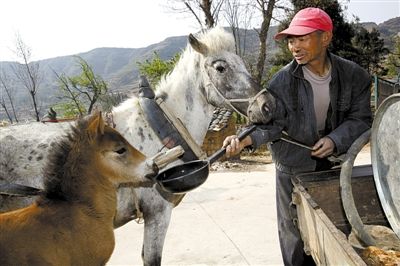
(217,39)
(64,162)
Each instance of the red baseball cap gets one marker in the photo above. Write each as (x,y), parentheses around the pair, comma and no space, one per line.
(306,21)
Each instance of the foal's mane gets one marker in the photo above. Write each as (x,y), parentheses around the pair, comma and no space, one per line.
(66,158)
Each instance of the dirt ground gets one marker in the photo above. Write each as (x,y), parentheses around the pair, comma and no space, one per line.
(229,220)
(256,161)
(247,161)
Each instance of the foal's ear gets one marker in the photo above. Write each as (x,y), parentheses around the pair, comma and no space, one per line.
(96,126)
(198,45)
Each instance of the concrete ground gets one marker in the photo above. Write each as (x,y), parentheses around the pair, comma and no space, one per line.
(229,220)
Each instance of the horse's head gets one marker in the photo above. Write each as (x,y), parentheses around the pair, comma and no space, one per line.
(116,158)
(226,80)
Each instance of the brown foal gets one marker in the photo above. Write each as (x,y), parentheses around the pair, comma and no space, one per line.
(72,221)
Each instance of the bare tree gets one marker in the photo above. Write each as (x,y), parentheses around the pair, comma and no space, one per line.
(206,6)
(3,104)
(4,82)
(238,14)
(266,8)
(27,72)
(206,12)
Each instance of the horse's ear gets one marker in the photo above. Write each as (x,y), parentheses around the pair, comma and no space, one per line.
(198,45)
(96,126)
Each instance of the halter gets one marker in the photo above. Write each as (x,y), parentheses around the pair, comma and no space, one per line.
(249,100)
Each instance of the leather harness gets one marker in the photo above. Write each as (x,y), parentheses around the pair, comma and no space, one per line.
(162,125)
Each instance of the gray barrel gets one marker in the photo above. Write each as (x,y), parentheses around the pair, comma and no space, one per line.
(385,157)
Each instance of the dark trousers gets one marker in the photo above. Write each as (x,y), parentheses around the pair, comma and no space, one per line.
(289,235)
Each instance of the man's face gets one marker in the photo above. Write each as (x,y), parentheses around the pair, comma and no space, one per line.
(308,48)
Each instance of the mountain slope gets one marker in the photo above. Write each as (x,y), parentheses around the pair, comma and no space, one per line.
(387,29)
(118,66)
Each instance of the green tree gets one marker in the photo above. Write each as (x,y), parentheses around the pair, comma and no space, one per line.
(73,106)
(68,109)
(393,60)
(155,67)
(109,100)
(370,49)
(82,92)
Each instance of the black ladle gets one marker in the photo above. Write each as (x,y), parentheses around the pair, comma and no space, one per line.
(190,175)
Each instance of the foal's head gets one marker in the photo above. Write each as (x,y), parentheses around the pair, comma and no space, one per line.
(92,151)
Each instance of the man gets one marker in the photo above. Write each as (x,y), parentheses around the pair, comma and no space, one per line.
(323,101)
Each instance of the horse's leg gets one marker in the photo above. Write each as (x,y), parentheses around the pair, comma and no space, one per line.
(157,215)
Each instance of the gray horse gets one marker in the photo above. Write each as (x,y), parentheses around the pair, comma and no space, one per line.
(209,74)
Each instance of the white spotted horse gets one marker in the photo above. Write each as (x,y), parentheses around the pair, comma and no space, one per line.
(208,74)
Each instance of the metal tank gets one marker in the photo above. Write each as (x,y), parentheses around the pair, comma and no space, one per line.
(385,157)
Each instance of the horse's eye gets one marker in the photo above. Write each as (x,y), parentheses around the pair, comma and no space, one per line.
(220,66)
(121,151)
(220,69)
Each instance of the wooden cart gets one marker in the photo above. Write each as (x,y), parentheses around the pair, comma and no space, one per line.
(332,203)
(321,218)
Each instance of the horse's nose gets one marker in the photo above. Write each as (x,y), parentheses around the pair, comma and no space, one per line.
(263,109)
(151,170)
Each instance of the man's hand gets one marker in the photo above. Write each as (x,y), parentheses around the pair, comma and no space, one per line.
(234,146)
(323,148)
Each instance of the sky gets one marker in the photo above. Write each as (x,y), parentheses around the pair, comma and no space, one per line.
(54,28)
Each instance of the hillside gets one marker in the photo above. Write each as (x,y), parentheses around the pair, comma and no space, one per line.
(387,29)
(118,66)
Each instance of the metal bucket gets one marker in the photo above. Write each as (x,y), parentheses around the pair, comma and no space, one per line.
(190,175)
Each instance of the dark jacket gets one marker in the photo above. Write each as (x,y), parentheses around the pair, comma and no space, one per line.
(349,113)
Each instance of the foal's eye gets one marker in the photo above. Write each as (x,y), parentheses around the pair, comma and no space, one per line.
(121,151)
